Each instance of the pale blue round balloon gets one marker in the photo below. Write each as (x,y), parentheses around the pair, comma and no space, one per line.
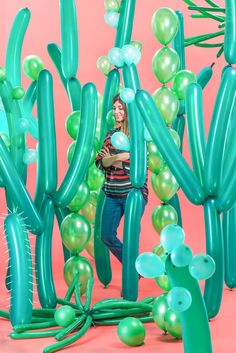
(179,299)
(181,255)
(30,156)
(202,266)
(127,95)
(149,265)
(131,55)
(115,57)
(120,141)
(112,18)
(172,236)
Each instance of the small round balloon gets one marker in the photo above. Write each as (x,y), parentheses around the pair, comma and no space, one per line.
(30,156)
(179,299)
(18,93)
(172,323)
(120,141)
(115,57)
(181,256)
(167,103)
(64,315)
(165,25)
(165,64)
(112,5)
(131,54)
(159,308)
(163,282)
(112,18)
(80,198)
(127,95)
(32,65)
(149,265)
(162,216)
(172,236)
(72,124)
(104,65)
(202,266)
(181,81)
(131,331)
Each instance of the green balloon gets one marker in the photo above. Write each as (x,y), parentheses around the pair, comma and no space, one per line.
(95,178)
(78,264)
(181,81)
(89,211)
(163,282)
(159,309)
(165,25)
(131,331)
(158,250)
(110,119)
(175,136)
(138,45)
(72,124)
(80,198)
(75,232)
(32,65)
(90,244)
(155,160)
(93,198)
(70,151)
(104,65)
(100,101)
(172,323)
(163,215)
(167,103)
(112,5)
(64,315)
(2,74)
(5,139)
(164,184)
(18,93)
(97,145)
(165,64)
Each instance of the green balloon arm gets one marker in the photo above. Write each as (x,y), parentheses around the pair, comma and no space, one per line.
(174,202)
(14,46)
(101,253)
(178,41)
(74,92)
(88,294)
(161,137)
(111,89)
(196,333)
(18,191)
(125,24)
(196,129)
(230,32)
(204,76)
(55,54)
(43,258)
(215,248)
(83,148)
(8,277)
(133,212)
(27,107)
(229,226)
(61,213)
(179,126)
(69,38)
(21,270)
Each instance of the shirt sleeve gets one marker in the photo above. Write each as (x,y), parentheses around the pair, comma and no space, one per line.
(98,160)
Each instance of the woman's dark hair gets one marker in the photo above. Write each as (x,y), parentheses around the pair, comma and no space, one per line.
(117,98)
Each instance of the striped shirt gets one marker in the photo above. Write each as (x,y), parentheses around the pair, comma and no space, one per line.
(117,181)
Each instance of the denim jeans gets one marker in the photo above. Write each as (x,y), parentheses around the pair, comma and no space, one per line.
(113,210)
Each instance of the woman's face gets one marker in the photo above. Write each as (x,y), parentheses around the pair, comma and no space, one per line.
(119,112)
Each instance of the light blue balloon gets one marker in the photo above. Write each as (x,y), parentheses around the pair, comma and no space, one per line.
(112,18)
(30,156)
(149,265)
(3,122)
(127,95)
(172,236)
(179,299)
(131,55)
(202,266)
(120,141)
(181,255)
(23,125)
(115,57)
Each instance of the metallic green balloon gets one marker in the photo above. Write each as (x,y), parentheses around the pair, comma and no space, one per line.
(104,65)
(72,124)
(110,119)
(80,198)
(112,5)
(165,25)
(163,215)
(175,136)
(167,103)
(165,64)
(155,160)
(5,139)
(95,178)
(159,309)
(75,232)
(89,211)
(18,93)
(131,331)
(181,81)
(78,264)
(32,65)
(138,45)
(172,323)
(70,151)
(164,184)
(90,244)
(158,250)
(163,282)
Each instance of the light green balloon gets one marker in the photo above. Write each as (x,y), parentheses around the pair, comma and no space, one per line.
(159,309)
(167,103)
(165,64)
(89,211)
(32,65)
(175,136)
(2,74)
(75,232)
(172,323)
(163,215)
(164,184)
(104,65)
(72,124)
(165,25)
(95,178)
(81,197)
(158,250)
(93,198)
(90,243)
(155,160)
(131,331)
(163,282)
(182,79)
(112,5)
(138,45)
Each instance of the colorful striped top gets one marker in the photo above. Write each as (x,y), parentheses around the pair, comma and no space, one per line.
(117,181)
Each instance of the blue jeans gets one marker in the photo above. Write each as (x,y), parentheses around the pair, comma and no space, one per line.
(113,210)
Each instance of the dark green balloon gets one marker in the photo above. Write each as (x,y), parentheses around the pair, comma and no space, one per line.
(2,74)
(72,124)
(172,323)
(80,198)
(64,315)
(165,64)
(70,151)
(163,215)
(131,331)
(110,119)
(159,309)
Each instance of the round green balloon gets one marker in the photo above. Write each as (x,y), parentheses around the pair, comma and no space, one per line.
(5,139)
(163,215)
(81,197)
(131,331)
(181,81)
(155,160)
(165,25)
(159,309)
(72,124)
(97,145)
(95,178)
(89,211)
(175,136)
(2,74)
(110,119)
(32,65)
(172,323)
(70,151)
(90,244)
(64,315)
(93,198)
(167,103)
(165,64)
(138,45)
(164,184)
(75,232)
(18,93)
(104,65)
(163,282)
(78,264)
(112,5)
(159,250)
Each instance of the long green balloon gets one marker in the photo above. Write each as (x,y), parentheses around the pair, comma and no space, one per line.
(229,224)
(125,24)
(178,41)
(21,274)
(204,76)
(74,93)
(69,38)
(174,201)
(55,54)
(161,137)
(83,148)
(230,32)
(61,213)
(194,321)
(195,126)
(43,258)
(179,126)
(14,46)
(216,137)
(18,191)
(215,248)
(27,107)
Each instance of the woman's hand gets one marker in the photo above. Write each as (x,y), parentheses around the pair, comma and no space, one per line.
(105,153)
(123,156)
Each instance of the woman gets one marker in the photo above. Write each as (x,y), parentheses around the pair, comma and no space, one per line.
(116,165)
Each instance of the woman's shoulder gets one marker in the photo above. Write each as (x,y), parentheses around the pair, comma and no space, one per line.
(111,132)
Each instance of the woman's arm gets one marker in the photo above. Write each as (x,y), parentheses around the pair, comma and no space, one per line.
(115,160)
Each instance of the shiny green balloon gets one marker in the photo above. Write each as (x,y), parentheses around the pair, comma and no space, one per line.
(112,5)
(70,151)
(95,178)
(100,101)
(97,146)
(138,45)
(18,93)
(78,264)
(75,232)
(155,160)
(165,64)
(5,139)
(172,323)
(159,309)
(167,103)
(163,215)
(104,65)
(64,315)
(110,119)
(165,25)
(163,282)
(80,198)
(131,331)
(90,244)
(175,136)
(89,211)
(2,74)
(159,250)
(72,124)
(182,79)
(93,198)
(164,184)
(32,65)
